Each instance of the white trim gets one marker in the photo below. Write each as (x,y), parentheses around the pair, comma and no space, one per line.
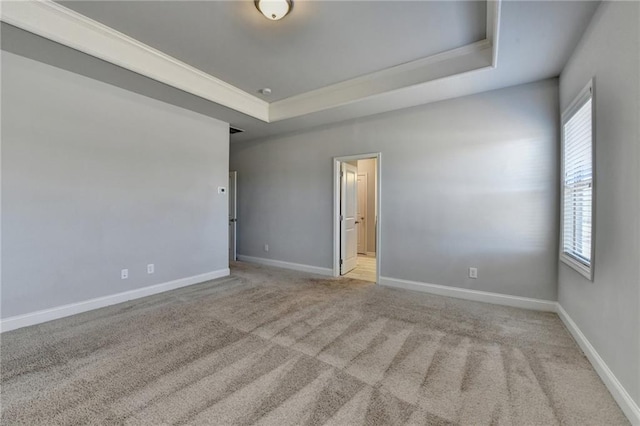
(625,401)
(475,295)
(619,393)
(578,102)
(234,173)
(1,56)
(586,94)
(411,75)
(336,216)
(60,24)
(336,207)
(286,265)
(581,268)
(453,62)
(493,28)
(50,314)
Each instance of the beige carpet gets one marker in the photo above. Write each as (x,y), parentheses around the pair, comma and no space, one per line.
(273,347)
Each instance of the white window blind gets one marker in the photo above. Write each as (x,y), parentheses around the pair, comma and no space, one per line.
(577,203)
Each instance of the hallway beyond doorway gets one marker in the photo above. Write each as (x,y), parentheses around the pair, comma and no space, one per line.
(365,269)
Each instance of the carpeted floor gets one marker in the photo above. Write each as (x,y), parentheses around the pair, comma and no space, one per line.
(275,347)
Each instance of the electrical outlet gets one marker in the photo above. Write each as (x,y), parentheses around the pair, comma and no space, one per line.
(473,273)
(124,274)
(151,268)
(266,247)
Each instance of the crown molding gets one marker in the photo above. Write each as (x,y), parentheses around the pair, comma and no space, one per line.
(442,65)
(493,28)
(65,26)
(369,89)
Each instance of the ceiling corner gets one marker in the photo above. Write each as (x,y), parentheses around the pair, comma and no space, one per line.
(60,24)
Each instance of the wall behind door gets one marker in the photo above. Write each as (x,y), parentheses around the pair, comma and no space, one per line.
(465,182)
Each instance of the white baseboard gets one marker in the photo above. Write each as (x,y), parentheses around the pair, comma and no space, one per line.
(619,393)
(287,265)
(45,315)
(475,295)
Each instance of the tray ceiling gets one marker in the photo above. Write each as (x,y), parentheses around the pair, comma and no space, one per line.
(320,43)
(318,71)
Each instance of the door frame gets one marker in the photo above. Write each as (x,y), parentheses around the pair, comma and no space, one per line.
(233,175)
(336,208)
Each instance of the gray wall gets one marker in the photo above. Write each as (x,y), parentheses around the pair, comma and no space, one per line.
(467,182)
(369,167)
(96,179)
(31,46)
(607,310)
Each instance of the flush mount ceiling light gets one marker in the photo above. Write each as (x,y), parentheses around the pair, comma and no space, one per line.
(274,9)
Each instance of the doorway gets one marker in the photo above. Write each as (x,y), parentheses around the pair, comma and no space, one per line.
(357,192)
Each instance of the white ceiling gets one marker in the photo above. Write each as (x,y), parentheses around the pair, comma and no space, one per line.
(319,43)
(535,41)
(322,43)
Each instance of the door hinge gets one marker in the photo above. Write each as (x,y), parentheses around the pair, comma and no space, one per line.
(341,174)
(341,218)
(340,262)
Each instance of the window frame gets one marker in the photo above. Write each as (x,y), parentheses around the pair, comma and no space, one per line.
(586,94)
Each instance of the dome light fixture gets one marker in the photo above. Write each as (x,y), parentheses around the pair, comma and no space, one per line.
(274,9)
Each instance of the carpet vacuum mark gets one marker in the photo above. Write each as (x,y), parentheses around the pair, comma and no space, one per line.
(274,347)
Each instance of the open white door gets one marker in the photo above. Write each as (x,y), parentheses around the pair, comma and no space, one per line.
(348,218)
(362,213)
(233,218)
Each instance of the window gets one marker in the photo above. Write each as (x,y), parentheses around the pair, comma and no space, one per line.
(577,247)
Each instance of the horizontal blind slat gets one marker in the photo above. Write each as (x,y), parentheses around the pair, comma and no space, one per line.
(578,184)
